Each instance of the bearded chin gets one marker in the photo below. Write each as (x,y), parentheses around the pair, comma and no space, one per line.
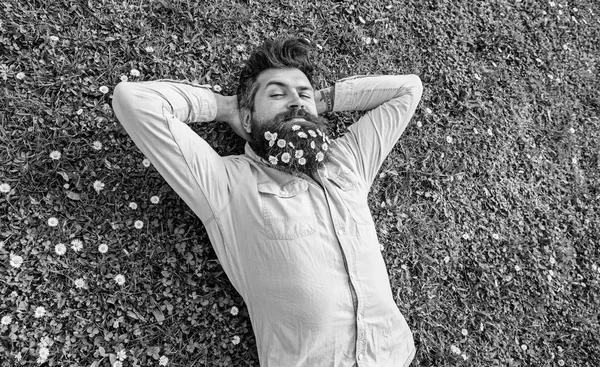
(292,146)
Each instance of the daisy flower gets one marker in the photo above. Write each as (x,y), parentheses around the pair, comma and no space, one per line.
(312,133)
(217,88)
(325,146)
(235,340)
(154,200)
(97,145)
(55,154)
(117,364)
(302,134)
(320,156)
(79,283)
(234,311)
(123,78)
(285,157)
(133,205)
(76,245)
(54,38)
(39,312)
(121,355)
(149,49)
(163,361)
(138,224)
(302,161)
(299,153)
(103,89)
(60,249)
(20,76)
(273,160)
(295,127)
(4,188)
(134,72)
(103,248)
(313,145)
(43,355)
(6,320)
(52,222)
(15,260)
(146,162)
(281,143)
(119,279)
(98,186)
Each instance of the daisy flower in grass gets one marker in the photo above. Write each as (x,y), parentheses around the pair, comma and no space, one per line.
(6,320)
(154,200)
(15,260)
(98,186)
(76,245)
(163,361)
(134,72)
(43,355)
(60,249)
(103,89)
(146,162)
(235,340)
(133,205)
(55,154)
(121,355)
(39,312)
(119,279)
(97,145)
(79,283)
(52,222)
(103,248)
(4,188)
(138,224)
(20,76)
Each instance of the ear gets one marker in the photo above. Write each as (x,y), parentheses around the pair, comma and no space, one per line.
(246,119)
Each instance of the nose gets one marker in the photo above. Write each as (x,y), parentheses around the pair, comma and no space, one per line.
(296,102)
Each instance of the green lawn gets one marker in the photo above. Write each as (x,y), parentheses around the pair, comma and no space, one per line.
(488,209)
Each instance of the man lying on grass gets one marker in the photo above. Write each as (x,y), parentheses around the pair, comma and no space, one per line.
(288,219)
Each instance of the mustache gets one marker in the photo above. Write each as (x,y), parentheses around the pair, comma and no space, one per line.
(282,117)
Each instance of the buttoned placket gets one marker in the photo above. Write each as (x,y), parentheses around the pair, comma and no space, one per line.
(349,256)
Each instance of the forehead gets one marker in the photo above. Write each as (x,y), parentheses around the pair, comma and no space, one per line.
(291,77)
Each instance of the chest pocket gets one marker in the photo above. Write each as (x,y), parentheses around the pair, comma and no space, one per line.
(287,210)
(347,185)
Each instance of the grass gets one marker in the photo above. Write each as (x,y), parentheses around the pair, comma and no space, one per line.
(488,208)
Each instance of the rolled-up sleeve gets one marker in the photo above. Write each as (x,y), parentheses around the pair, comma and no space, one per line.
(155,115)
(390,102)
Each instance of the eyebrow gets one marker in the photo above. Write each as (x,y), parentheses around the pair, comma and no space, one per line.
(284,85)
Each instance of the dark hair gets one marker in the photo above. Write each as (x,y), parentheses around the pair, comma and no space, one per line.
(278,54)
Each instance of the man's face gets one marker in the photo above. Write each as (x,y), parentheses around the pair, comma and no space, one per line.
(284,127)
(280,91)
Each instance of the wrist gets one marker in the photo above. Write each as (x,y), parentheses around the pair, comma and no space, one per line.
(227,108)
(324,99)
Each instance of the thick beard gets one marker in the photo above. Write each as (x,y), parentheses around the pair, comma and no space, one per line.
(295,147)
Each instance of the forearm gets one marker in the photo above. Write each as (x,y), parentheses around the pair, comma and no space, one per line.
(363,93)
(163,99)
(324,99)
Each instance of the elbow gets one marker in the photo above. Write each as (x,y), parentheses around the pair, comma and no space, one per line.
(416,86)
(126,97)
(122,94)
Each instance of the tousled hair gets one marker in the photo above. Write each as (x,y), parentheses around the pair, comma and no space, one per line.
(272,54)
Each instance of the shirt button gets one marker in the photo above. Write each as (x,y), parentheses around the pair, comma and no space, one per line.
(341,232)
(360,356)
